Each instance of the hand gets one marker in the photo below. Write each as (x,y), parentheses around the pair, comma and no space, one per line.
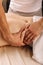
(13,39)
(33,31)
(18,37)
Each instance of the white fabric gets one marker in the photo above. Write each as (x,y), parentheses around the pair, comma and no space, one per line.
(36,18)
(25,5)
(38,46)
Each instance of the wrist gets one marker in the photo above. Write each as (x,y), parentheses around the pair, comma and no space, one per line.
(39,20)
(41,23)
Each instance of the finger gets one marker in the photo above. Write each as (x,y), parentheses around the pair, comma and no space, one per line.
(22,36)
(27,43)
(29,36)
(21,44)
(27,26)
(18,44)
(27,33)
(31,39)
(22,29)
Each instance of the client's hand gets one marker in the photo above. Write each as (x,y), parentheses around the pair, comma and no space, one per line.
(33,31)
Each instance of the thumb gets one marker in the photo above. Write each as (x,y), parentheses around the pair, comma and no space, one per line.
(21,43)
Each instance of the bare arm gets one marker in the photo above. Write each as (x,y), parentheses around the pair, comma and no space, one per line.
(15,40)
(3,21)
(4,26)
(4,29)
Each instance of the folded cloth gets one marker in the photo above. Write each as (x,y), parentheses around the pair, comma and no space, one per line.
(38,45)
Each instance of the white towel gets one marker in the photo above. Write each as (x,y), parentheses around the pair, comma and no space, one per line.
(38,45)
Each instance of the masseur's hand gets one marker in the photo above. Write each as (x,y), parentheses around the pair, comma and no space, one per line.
(4,29)
(13,39)
(34,30)
(18,38)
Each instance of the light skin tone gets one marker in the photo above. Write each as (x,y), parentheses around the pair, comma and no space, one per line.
(14,40)
(34,30)
(17,39)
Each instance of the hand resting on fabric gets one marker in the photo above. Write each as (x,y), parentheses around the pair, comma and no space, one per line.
(34,30)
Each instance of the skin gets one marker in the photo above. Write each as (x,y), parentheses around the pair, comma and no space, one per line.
(34,30)
(4,29)
(12,39)
(18,39)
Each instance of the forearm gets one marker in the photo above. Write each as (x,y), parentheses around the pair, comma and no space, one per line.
(3,21)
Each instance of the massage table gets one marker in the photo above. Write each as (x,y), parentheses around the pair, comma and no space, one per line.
(16,55)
